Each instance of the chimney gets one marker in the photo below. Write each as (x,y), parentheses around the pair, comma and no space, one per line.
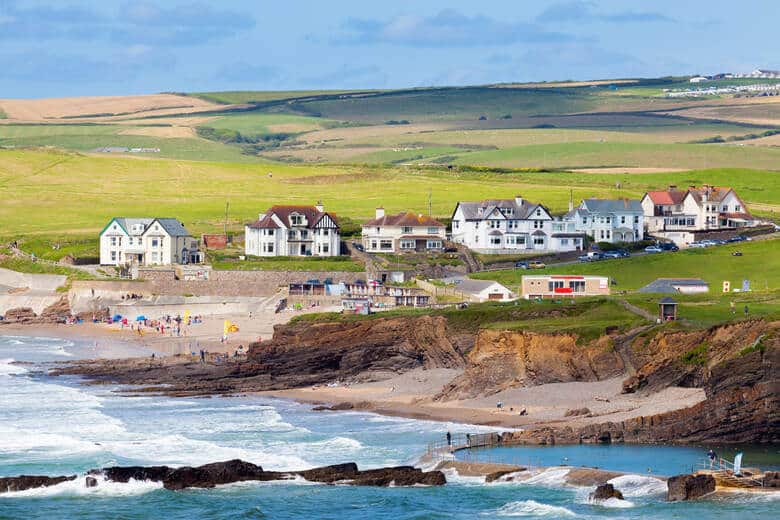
(380,212)
(571,200)
(672,187)
(319,206)
(519,200)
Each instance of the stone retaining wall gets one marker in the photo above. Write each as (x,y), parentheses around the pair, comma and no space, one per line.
(236,283)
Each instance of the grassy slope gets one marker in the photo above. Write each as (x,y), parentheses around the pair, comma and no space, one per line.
(259,123)
(760,263)
(88,137)
(259,96)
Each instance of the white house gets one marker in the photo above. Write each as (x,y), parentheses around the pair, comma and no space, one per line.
(402,233)
(609,220)
(502,226)
(484,290)
(293,231)
(678,214)
(147,241)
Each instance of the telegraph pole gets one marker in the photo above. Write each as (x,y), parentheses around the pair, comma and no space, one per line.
(227,207)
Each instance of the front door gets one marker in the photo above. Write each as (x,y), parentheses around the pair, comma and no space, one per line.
(303,249)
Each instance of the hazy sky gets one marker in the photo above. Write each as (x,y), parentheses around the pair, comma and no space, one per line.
(69,48)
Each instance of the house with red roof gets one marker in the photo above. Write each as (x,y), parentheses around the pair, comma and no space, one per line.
(405,232)
(293,231)
(677,214)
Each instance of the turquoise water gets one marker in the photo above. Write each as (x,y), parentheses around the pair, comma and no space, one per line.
(57,426)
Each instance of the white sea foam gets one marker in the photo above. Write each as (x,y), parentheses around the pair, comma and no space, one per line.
(614,503)
(550,477)
(78,487)
(453,477)
(8,369)
(638,485)
(532,508)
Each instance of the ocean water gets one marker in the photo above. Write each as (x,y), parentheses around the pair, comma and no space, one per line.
(57,426)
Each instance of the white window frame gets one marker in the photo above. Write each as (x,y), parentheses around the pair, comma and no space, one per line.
(407,243)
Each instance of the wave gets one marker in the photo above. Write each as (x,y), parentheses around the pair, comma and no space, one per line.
(78,487)
(612,503)
(638,485)
(532,508)
(7,368)
(550,477)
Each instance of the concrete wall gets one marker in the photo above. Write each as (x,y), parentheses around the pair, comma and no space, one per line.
(236,283)
(177,306)
(36,301)
(34,282)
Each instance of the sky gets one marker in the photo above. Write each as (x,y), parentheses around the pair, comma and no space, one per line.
(107,47)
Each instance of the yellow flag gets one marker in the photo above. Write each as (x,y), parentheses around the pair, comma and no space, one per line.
(186,315)
(227,327)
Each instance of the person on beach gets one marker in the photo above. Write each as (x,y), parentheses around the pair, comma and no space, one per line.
(202,356)
(712,456)
(449,439)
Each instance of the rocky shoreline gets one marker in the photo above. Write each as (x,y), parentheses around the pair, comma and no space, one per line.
(736,366)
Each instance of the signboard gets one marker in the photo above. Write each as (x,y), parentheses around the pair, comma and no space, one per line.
(726,286)
(563,290)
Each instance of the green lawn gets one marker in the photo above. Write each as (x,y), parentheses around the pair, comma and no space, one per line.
(634,155)
(24,265)
(760,264)
(282,263)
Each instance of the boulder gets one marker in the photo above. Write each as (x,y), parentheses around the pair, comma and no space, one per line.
(210,475)
(576,412)
(124,474)
(398,476)
(772,479)
(492,477)
(605,492)
(90,482)
(19,315)
(330,474)
(689,487)
(22,482)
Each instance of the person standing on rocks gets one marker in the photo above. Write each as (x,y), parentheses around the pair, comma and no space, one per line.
(712,456)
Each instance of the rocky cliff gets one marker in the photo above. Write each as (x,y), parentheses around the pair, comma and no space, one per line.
(505,359)
(736,364)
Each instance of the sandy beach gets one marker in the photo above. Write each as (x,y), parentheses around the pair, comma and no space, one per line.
(410,395)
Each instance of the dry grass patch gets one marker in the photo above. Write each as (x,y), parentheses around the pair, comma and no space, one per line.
(160,131)
(102,107)
(363,132)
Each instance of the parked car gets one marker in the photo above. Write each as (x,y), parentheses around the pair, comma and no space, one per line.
(358,246)
(737,238)
(450,249)
(697,245)
(521,265)
(612,254)
(653,249)
(593,256)
(536,264)
(668,246)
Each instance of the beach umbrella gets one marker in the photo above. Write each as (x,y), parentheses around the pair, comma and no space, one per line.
(117,317)
(140,318)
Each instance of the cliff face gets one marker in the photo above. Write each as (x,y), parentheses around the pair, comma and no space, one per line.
(303,354)
(736,364)
(505,359)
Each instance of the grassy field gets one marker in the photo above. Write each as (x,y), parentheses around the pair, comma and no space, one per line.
(84,192)
(254,123)
(760,264)
(260,96)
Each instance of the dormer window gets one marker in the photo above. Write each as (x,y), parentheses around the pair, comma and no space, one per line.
(296,219)
(406,229)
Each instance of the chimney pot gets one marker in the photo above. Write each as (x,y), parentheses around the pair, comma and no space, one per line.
(380,212)
(319,206)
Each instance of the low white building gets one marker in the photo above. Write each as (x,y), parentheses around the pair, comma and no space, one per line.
(505,226)
(484,290)
(403,233)
(293,231)
(146,242)
(609,220)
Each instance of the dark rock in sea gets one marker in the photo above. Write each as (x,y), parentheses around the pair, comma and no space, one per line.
(330,474)
(605,492)
(335,408)
(492,477)
(689,487)
(210,475)
(90,482)
(22,482)
(772,479)
(124,474)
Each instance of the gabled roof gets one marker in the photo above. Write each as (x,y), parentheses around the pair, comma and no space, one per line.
(405,219)
(476,286)
(266,223)
(709,194)
(173,227)
(127,223)
(471,210)
(612,205)
(283,212)
(667,197)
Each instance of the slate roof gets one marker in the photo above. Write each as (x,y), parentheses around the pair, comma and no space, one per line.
(520,212)
(709,194)
(405,219)
(475,286)
(612,205)
(127,224)
(173,227)
(283,212)
(667,285)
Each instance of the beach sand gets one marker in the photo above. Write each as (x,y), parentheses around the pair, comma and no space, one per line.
(411,395)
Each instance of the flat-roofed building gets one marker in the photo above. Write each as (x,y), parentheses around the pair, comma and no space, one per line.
(556,285)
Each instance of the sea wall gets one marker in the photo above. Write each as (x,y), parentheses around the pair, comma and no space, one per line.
(236,283)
